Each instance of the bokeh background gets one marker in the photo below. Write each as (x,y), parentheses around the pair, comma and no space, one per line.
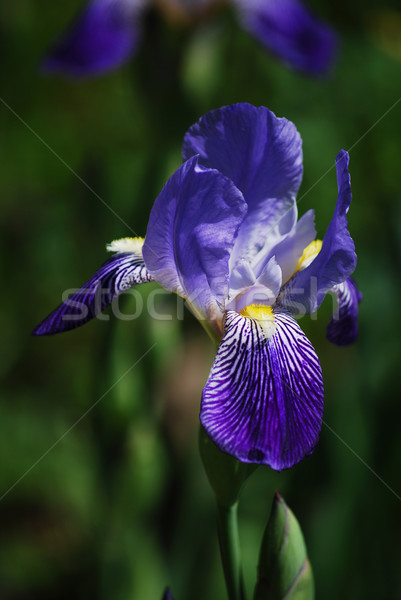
(110,501)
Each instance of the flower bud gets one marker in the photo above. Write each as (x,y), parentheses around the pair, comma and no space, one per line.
(284,571)
(226,474)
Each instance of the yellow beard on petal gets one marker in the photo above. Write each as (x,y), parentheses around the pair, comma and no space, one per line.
(128,244)
(263,315)
(309,254)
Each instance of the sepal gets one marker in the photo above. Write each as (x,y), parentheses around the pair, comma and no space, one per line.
(226,474)
(115,276)
(263,401)
(342,329)
(284,571)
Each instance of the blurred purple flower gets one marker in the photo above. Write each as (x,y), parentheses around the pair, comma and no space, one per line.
(108,33)
(167,595)
(290,31)
(223,234)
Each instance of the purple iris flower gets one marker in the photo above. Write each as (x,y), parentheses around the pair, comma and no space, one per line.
(223,234)
(108,33)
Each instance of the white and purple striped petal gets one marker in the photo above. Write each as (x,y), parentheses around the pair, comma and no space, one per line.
(262,155)
(192,228)
(336,260)
(104,37)
(119,273)
(263,401)
(343,327)
(289,30)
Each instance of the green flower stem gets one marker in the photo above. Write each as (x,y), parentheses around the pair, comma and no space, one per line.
(230,550)
(226,476)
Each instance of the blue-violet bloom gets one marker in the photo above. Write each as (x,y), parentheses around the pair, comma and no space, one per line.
(108,33)
(223,234)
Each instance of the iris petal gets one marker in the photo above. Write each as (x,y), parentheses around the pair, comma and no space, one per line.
(343,327)
(289,250)
(263,401)
(191,231)
(103,38)
(288,28)
(120,272)
(336,260)
(271,276)
(242,277)
(262,155)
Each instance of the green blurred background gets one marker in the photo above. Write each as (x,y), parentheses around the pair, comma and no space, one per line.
(117,506)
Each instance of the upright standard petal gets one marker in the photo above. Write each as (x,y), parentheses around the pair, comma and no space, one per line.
(263,401)
(120,272)
(336,260)
(343,327)
(103,38)
(288,28)
(262,155)
(191,231)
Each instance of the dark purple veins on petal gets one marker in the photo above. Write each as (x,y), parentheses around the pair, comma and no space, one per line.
(263,401)
(343,326)
(119,273)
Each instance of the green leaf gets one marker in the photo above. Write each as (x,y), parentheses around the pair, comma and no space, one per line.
(284,571)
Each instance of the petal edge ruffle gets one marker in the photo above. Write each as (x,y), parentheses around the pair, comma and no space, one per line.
(262,155)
